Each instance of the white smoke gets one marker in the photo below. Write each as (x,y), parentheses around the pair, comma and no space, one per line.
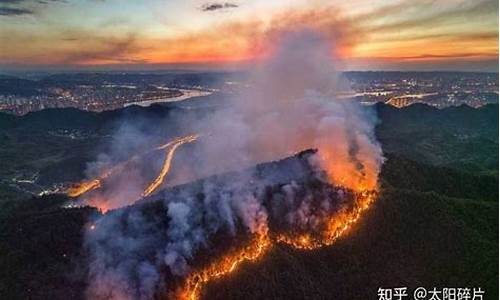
(127,249)
(118,269)
(192,222)
(291,105)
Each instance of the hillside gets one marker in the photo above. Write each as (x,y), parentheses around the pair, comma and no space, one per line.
(461,137)
(408,239)
(435,223)
(421,237)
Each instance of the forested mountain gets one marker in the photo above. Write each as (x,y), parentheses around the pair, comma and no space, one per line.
(434,224)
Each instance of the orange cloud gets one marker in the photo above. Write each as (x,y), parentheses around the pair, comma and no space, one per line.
(407,31)
(235,41)
(248,40)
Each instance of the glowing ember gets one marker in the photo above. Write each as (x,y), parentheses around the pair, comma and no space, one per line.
(168,161)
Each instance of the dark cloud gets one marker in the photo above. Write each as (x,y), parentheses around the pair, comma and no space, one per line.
(217,6)
(8,11)
(23,7)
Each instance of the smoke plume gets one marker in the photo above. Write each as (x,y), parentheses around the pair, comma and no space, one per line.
(290,104)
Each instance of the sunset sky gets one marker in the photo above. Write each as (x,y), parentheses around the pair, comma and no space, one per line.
(367,34)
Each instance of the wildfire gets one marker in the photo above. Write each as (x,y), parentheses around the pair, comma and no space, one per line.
(168,160)
(90,185)
(225,265)
(336,226)
(332,227)
(84,187)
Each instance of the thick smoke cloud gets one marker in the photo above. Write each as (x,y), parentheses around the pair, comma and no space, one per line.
(128,249)
(291,104)
(129,161)
(118,269)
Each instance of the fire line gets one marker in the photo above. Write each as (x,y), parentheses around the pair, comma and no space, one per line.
(87,186)
(92,184)
(337,226)
(227,264)
(84,187)
(168,161)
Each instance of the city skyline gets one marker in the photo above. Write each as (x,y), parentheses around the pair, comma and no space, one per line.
(368,35)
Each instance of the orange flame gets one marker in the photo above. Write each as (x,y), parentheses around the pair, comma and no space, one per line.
(225,265)
(92,184)
(83,187)
(168,161)
(336,226)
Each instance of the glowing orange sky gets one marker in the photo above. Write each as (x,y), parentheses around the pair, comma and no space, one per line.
(366,34)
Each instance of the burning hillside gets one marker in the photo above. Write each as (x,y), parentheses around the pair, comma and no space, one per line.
(84,188)
(212,225)
(174,241)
